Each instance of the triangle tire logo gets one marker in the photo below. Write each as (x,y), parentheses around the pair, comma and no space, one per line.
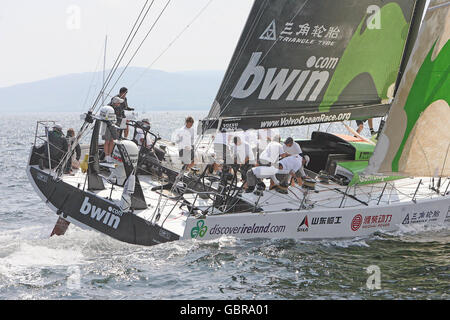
(270,33)
(406,220)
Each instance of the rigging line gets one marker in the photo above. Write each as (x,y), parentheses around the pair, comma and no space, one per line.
(124,48)
(110,75)
(229,102)
(127,47)
(173,41)
(140,45)
(92,81)
(120,57)
(245,43)
(123,56)
(425,155)
(439,6)
(270,49)
(197,142)
(445,160)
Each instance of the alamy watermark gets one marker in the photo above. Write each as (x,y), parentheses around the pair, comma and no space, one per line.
(374,20)
(374,280)
(74,279)
(73,21)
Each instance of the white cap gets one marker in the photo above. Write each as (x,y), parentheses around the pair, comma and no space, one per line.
(58,126)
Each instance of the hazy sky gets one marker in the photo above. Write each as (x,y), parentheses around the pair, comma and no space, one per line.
(47,38)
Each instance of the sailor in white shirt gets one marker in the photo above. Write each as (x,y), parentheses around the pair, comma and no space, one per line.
(241,151)
(221,148)
(288,167)
(184,138)
(272,152)
(291,148)
(255,175)
(292,166)
(251,137)
(243,156)
(264,137)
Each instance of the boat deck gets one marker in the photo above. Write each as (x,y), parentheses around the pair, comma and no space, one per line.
(166,211)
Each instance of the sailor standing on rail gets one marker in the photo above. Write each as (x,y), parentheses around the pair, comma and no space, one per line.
(111,131)
(120,111)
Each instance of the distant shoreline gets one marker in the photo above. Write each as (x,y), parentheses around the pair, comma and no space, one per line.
(149,90)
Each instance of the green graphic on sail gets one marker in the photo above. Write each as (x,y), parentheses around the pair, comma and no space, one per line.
(432,84)
(376,51)
(416,138)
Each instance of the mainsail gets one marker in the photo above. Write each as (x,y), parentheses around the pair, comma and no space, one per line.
(416,137)
(303,62)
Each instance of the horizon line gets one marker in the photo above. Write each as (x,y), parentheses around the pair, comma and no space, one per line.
(87,72)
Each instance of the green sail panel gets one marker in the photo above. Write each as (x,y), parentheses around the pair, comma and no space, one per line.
(416,137)
(377,52)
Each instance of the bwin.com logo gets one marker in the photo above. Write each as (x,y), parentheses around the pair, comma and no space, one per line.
(199,230)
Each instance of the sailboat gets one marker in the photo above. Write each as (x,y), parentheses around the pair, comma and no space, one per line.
(297,63)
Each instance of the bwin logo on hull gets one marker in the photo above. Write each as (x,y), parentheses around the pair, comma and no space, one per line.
(300,83)
(98,214)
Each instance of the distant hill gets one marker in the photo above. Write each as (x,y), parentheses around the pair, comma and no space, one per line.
(149,90)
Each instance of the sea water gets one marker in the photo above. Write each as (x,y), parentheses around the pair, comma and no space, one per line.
(408,264)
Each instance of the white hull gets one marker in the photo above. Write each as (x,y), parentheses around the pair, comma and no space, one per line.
(321,224)
(281,217)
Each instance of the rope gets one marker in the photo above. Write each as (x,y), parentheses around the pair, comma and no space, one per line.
(232,69)
(140,45)
(172,42)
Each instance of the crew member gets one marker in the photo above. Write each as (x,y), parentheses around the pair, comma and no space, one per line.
(222,152)
(184,137)
(72,162)
(243,156)
(292,166)
(111,131)
(143,139)
(291,148)
(120,111)
(271,154)
(58,145)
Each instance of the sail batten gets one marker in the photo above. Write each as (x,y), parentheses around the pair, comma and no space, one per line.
(314,57)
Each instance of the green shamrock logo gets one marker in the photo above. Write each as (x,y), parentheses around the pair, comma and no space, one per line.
(199,230)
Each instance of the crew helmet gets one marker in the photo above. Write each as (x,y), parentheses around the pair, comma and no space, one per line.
(107,113)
